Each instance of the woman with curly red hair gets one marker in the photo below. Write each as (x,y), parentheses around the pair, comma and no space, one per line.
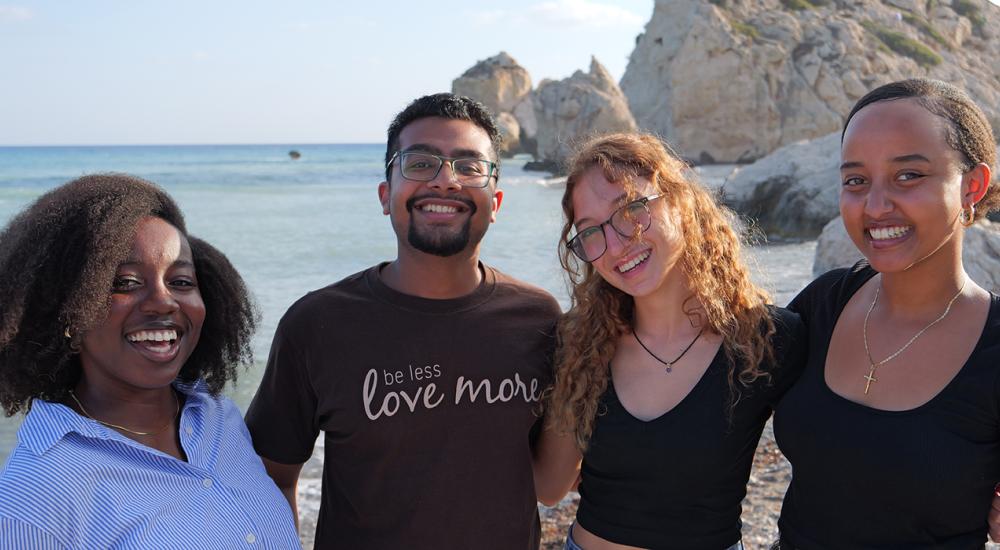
(669,361)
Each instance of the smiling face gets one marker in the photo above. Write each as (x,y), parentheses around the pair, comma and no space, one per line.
(440,217)
(902,186)
(638,267)
(155,317)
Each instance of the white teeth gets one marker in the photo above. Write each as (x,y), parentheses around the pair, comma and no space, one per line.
(881,233)
(440,208)
(635,261)
(152,335)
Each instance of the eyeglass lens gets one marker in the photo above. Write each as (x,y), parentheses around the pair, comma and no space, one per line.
(425,167)
(628,221)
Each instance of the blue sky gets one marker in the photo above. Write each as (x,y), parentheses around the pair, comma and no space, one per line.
(126,72)
(307,71)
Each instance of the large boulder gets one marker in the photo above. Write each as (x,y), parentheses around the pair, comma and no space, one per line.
(792,192)
(980,252)
(510,130)
(577,107)
(499,82)
(795,191)
(504,87)
(731,81)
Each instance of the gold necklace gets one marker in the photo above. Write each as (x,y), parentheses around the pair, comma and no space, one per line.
(177,410)
(870,377)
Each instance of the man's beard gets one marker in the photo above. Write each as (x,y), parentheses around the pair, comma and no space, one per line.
(440,241)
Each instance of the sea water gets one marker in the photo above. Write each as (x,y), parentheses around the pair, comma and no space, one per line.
(291,226)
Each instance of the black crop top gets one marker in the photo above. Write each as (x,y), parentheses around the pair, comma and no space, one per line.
(867,478)
(677,481)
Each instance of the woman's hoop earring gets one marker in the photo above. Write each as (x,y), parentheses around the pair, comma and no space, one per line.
(968,216)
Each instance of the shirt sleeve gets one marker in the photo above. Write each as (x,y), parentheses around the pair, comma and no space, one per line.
(282,417)
(19,535)
(791,350)
(816,293)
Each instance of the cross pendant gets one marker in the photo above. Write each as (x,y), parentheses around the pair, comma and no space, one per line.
(870,378)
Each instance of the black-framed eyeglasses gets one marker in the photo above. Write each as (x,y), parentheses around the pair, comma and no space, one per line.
(422,166)
(590,243)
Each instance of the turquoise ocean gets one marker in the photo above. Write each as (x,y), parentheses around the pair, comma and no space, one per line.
(291,226)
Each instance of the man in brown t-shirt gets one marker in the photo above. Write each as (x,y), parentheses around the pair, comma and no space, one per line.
(423,372)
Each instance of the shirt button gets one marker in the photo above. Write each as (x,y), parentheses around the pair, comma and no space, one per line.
(206,483)
(188,430)
(251,539)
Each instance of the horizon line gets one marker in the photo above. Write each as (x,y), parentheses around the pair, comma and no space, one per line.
(282,144)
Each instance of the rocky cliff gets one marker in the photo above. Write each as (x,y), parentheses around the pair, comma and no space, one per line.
(733,80)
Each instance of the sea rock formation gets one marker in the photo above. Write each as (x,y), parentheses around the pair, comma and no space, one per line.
(577,107)
(980,252)
(731,81)
(511,132)
(499,82)
(793,192)
(504,87)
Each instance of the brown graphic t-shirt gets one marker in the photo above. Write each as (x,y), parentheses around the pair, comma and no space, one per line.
(427,407)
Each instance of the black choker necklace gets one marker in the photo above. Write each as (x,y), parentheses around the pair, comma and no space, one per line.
(669,364)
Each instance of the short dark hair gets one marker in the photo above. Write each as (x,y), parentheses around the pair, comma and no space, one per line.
(58,258)
(969,130)
(444,105)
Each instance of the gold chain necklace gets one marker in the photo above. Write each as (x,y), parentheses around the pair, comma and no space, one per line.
(870,377)
(177,410)
(669,365)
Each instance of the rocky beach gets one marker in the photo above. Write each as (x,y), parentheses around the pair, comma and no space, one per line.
(768,481)
(259,137)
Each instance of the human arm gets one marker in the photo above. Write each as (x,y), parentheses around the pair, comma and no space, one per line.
(286,477)
(993,519)
(556,465)
(281,418)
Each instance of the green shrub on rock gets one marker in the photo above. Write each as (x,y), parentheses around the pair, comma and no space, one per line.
(904,45)
(925,27)
(745,29)
(798,5)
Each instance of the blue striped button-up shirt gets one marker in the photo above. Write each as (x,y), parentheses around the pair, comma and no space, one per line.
(73,483)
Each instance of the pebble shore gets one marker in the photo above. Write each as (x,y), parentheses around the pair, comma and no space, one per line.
(769,478)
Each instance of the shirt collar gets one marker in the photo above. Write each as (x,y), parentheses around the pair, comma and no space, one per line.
(48,422)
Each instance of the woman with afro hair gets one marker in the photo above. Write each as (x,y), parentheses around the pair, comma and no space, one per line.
(118,330)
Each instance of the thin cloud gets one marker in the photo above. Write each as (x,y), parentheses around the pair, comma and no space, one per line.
(583,13)
(14,13)
(327,25)
(488,17)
